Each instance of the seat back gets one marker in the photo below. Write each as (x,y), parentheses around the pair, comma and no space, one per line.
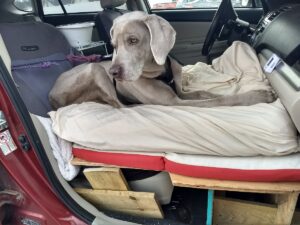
(38,56)
(31,40)
(104,19)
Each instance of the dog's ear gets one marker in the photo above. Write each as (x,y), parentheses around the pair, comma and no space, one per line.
(162,37)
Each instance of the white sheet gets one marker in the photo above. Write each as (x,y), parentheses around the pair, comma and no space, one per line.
(62,151)
(291,161)
(262,129)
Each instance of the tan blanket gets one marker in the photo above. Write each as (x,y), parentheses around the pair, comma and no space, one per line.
(236,71)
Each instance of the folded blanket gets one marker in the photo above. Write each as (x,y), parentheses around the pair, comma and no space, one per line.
(237,71)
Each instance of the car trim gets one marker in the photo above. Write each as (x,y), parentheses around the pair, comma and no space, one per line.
(25,118)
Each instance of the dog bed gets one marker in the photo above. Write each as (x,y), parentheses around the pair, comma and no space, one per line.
(247,143)
(260,141)
(261,129)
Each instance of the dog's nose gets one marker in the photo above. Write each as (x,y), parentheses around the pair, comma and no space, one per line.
(116,71)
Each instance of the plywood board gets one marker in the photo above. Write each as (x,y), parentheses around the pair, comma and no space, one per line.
(229,211)
(134,203)
(286,208)
(106,179)
(238,212)
(81,162)
(240,186)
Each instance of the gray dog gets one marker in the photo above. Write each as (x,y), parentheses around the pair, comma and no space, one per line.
(140,72)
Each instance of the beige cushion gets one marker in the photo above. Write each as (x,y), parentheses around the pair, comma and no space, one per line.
(261,129)
(4,55)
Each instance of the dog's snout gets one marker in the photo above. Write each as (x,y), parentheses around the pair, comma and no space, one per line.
(116,71)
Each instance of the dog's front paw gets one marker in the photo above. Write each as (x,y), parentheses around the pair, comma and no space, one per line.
(264,96)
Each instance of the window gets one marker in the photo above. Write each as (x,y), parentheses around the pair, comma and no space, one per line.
(183,4)
(23,5)
(72,6)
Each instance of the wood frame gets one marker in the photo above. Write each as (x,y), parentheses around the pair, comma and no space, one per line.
(287,193)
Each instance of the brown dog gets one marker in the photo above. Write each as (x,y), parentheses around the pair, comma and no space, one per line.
(142,71)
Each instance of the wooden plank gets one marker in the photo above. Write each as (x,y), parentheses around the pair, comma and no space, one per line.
(106,179)
(286,207)
(134,203)
(80,162)
(231,211)
(240,186)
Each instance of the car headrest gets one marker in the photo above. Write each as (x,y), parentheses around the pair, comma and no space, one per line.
(31,40)
(110,4)
(4,55)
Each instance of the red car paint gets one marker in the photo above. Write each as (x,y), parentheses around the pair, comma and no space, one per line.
(23,175)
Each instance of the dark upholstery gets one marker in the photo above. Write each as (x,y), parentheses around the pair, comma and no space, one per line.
(104,19)
(38,53)
(111,4)
(42,38)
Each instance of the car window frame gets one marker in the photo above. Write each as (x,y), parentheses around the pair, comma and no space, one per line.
(150,10)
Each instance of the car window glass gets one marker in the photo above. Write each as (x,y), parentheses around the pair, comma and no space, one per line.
(23,5)
(73,6)
(186,4)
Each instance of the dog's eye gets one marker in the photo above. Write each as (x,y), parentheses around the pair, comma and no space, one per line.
(133,41)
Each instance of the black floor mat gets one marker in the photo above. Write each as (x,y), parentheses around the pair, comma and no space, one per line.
(188,206)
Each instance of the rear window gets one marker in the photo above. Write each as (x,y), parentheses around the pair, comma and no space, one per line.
(199,4)
(72,6)
(23,5)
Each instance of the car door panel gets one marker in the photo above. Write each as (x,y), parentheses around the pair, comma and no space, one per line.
(192,26)
(252,15)
(189,41)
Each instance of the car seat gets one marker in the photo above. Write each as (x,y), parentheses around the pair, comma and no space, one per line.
(104,19)
(38,53)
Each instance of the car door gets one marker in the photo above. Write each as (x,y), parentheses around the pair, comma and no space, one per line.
(192,18)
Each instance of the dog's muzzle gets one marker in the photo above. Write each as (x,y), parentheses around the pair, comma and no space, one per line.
(117,72)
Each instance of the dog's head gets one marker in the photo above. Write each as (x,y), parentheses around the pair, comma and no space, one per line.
(139,39)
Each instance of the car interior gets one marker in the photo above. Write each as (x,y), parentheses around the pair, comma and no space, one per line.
(203,34)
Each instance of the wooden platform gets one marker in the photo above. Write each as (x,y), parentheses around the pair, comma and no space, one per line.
(224,211)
